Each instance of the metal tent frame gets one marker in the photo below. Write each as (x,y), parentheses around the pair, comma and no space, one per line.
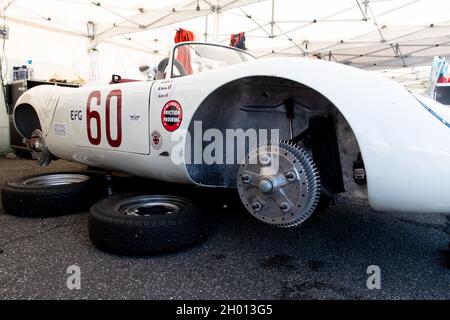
(372,33)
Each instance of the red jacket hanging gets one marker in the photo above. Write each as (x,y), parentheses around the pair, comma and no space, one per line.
(184,55)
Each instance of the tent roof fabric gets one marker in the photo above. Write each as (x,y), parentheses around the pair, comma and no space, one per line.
(369,34)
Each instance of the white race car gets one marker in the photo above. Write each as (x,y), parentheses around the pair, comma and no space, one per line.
(328,131)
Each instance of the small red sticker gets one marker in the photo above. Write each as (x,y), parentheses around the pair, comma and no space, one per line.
(172,115)
(156,139)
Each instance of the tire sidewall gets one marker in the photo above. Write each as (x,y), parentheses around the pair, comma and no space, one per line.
(128,235)
(19,199)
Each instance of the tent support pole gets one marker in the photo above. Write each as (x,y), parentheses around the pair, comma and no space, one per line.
(216,22)
(206,28)
(272,21)
(93,52)
(93,63)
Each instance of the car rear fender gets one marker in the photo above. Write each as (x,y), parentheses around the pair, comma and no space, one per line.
(35,109)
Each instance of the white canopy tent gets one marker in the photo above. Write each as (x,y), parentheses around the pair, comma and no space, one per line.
(97,38)
(90,39)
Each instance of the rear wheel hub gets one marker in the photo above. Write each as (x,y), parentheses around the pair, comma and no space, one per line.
(279,184)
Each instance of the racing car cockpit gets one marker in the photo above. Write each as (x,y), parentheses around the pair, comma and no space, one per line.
(189,58)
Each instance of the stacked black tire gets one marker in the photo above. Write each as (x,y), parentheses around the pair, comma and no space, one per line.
(109,228)
(115,232)
(20,198)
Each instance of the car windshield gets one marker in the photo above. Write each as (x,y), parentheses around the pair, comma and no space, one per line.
(194,58)
(440,111)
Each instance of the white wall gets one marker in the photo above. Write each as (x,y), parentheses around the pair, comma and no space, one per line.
(65,55)
(52,52)
(121,60)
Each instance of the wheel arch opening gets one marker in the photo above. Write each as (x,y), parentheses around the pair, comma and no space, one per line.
(26,120)
(258,102)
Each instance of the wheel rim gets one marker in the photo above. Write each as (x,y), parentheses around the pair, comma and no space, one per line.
(151,205)
(56,180)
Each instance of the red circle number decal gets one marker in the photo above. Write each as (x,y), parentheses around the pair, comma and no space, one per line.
(172,115)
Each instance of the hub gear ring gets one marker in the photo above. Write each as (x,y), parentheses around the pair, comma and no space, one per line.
(279,184)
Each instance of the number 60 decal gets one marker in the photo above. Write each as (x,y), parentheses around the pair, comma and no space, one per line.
(95,115)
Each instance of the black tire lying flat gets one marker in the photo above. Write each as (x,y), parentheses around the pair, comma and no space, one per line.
(143,224)
(50,194)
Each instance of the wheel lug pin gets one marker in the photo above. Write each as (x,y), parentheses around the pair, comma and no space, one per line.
(284,207)
(257,206)
(246,178)
(290,175)
(265,159)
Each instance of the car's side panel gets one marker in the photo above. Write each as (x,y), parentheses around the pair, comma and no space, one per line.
(69,138)
(109,117)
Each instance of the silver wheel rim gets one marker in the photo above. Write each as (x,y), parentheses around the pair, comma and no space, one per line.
(151,205)
(56,180)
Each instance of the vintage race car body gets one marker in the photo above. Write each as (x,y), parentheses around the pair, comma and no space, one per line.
(404,140)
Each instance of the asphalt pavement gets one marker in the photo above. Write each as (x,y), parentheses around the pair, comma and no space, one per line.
(327,258)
